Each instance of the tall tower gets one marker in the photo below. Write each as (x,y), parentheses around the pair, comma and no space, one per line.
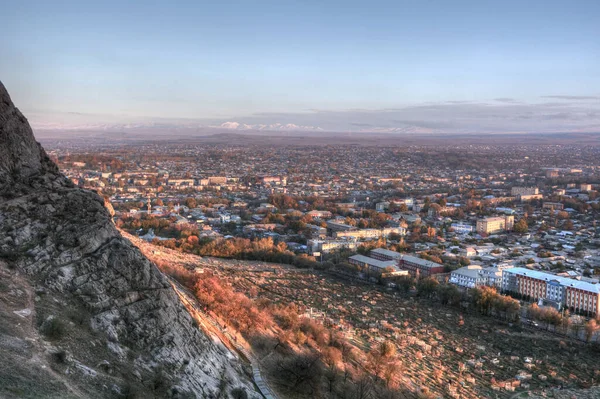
(149,206)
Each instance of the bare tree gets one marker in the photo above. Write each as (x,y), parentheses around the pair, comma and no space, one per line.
(300,374)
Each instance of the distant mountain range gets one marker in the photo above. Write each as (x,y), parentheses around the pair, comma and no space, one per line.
(269,127)
(135,126)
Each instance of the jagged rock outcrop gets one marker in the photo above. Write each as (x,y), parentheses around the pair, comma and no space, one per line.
(60,240)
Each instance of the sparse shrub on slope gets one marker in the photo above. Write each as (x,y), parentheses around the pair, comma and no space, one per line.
(53,328)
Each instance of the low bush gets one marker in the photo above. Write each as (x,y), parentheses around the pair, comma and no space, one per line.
(60,357)
(53,329)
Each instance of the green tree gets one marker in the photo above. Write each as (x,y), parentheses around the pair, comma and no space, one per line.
(427,287)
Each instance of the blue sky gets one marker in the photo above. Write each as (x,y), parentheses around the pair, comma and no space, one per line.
(415,66)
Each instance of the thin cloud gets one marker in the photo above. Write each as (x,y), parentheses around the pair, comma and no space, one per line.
(573,97)
(558,116)
(427,124)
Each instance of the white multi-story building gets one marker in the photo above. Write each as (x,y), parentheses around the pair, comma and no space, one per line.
(370,233)
(326,246)
(467,277)
(475,276)
(461,228)
(492,277)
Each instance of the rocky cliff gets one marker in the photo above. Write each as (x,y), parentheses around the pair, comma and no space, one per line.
(82,312)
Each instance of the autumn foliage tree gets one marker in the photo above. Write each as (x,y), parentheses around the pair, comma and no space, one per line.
(521,227)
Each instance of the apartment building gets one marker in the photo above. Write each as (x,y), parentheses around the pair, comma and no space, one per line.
(492,225)
(532,197)
(519,191)
(576,295)
(180,182)
(319,214)
(326,246)
(493,275)
(467,277)
(217,180)
(461,228)
(475,276)
(317,231)
(553,206)
(333,227)
(369,233)
(418,267)
(270,179)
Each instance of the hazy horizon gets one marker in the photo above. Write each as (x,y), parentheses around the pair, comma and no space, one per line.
(382,67)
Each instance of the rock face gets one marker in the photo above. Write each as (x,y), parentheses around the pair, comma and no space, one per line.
(62,240)
(22,159)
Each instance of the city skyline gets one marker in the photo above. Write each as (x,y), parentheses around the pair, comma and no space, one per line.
(385,67)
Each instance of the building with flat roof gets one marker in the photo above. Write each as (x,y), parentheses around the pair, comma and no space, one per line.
(493,275)
(419,267)
(333,227)
(518,191)
(372,265)
(553,206)
(468,277)
(491,225)
(369,233)
(461,228)
(577,295)
(180,182)
(217,180)
(326,246)
(475,276)
(384,254)
(319,214)
(525,198)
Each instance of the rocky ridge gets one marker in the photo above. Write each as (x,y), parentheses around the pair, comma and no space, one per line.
(59,246)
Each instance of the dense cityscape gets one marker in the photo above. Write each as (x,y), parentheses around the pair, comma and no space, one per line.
(515,224)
